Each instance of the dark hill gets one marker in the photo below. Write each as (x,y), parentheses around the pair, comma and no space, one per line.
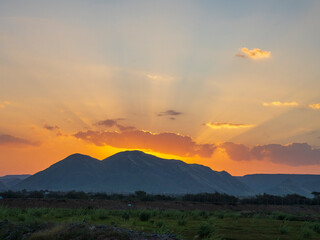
(3,187)
(131,171)
(282,184)
(11,180)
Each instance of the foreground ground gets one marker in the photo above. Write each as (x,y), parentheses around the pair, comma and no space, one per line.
(53,219)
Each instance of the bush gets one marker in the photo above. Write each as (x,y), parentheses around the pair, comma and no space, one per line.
(21,218)
(103,215)
(144,216)
(305,231)
(280,216)
(182,222)
(125,216)
(205,230)
(283,229)
(316,227)
(160,224)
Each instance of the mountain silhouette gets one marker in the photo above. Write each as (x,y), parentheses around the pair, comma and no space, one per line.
(282,184)
(3,187)
(8,181)
(129,171)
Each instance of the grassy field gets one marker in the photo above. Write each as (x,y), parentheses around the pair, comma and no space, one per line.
(184,224)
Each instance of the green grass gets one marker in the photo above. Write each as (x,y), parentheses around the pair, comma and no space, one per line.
(185,224)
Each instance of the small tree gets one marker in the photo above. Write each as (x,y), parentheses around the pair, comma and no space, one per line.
(141,195)
(316,195)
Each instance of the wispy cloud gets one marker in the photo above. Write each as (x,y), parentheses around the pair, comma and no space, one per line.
(51,128)
(315,106)
(4,104)
(168,143)
(109,123)
(54,128)
(225,125)
(280,104)
(171,113)
(157,77)
(6,139)
(254,53)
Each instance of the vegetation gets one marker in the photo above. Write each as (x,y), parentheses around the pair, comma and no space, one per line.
(216,198)
(48,223)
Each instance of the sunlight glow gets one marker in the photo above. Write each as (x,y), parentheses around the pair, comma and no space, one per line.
(220,125)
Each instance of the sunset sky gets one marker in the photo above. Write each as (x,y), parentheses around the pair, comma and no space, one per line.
(233,85)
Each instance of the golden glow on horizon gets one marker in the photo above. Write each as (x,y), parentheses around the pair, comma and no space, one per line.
(280,104)
(219,125)
(315,106)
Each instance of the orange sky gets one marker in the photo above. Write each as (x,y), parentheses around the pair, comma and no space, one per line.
(225,85)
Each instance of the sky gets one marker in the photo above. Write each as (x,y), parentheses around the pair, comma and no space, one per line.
(233,85)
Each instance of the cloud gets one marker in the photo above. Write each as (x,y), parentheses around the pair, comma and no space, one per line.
(315,106)
(125,128)
(107,123)
(114,123)
(51,128)
(168,143)
(280,104)
(238,152)
(159,77)
(254,53)
(4,104)
(10,140)
(294,154)
(169,113)
(54,128)
(224,125)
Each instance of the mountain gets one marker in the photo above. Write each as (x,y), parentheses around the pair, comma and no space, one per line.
(282,184)
(3,187)
(130,171)
(11,180)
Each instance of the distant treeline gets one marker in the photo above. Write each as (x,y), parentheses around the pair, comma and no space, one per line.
(215,198)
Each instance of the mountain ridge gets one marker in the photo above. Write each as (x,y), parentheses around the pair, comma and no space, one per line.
(130,171)
(282,184)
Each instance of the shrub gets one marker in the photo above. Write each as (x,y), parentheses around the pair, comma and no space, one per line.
(125,216)
(283,229)
(21,218)
(144,216)
(36,213)
(103,215)
(160,224)
(182,222)
(316,227)
(163,230)
(219,214)
(205,230)
(305,231)
(280,216)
